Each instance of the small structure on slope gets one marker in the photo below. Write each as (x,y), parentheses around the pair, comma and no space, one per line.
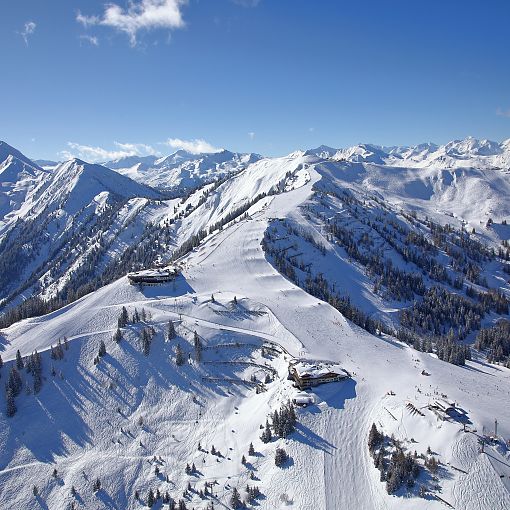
(307,373)
(153,276)
(445,409)
(302,399)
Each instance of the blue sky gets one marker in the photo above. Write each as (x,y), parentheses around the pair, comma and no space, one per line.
(267,76)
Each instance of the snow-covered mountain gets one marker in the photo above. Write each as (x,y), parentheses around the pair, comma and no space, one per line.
(18,177)
(432,180)
(182,169)
(54,222)
(454,154)
(363,256)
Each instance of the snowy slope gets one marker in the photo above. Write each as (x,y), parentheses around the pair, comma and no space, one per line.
(182,169)
(92,412)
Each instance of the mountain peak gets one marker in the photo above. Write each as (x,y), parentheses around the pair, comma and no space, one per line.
(7,150)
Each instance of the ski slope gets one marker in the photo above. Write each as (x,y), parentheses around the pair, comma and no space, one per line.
(86,424)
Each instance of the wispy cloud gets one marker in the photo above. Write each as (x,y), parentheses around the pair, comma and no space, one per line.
(195,146)
(91,39)
(251,134)
(139,15)
(503,113)
(28,30)
(247,3)
(96,154)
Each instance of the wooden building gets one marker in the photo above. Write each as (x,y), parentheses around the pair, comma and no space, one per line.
(307,373)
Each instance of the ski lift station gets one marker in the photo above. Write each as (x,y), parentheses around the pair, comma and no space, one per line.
(153,276)
(445,409)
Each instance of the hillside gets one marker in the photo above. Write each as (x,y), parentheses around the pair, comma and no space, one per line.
(65,220)
(310,256)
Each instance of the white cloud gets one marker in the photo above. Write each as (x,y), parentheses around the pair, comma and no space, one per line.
(195,146)
(28,30)
(251,134)
(96,154)
(503,113)
(140,15)
(90,39)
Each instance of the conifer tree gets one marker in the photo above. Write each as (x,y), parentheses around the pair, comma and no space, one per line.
(179,355)
(374,438)
(10,404)
(198,347)
(235,499)
(102,348)
(19,360)
(251,450)
(266,435)
(146,342)
(280,457)
(117,336)
(150,499)
(170,332)
(124,318)
(14,383)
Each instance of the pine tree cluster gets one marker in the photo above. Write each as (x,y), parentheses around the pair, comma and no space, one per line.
(456,354)
(280,457)
(496,340)
(147,335)
(253,492)
(33,366)
(284,420)
(57,352)
(235,499)
(401,468)
(266,434)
